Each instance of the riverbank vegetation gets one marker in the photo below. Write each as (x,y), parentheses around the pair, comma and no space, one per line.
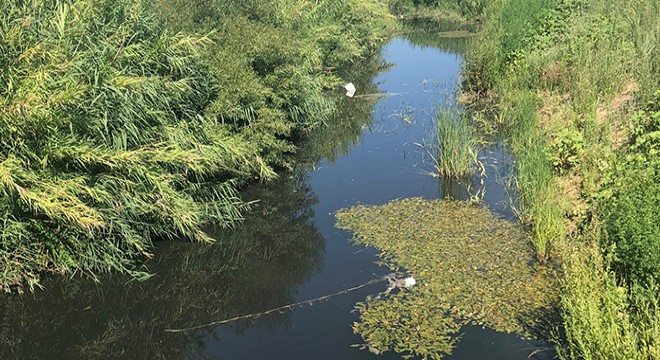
(573,84)
(124,122)
(254,267)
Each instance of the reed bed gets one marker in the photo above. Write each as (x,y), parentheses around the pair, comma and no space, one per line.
(124,122)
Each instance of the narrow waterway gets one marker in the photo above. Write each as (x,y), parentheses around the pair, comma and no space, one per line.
(288,249)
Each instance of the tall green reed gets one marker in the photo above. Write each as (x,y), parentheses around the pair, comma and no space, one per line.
(104,147)
(118,127)
(533,182)
(455,144)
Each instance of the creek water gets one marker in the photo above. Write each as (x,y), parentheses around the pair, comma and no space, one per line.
(286,251)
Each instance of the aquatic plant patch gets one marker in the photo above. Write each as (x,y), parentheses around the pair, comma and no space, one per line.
(456,145)
(471,266)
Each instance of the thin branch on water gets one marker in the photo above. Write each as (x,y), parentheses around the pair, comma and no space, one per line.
(285,307)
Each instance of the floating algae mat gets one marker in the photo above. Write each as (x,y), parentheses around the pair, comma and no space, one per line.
(470,265)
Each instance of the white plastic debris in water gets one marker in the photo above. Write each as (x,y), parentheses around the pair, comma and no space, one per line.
(409,282)
(350,89)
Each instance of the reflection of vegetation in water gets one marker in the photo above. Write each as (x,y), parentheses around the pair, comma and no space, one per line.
(253,268)
(471,266)
(454,189)
(448,36)
(344,130)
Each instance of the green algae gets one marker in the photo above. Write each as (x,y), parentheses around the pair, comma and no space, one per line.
(470,265)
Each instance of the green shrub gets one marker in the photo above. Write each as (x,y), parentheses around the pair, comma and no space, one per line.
(645,136)
(596,320)
(566,149)
(633,228)
(631,218)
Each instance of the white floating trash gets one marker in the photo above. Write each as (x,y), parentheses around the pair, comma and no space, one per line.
(350,89)
(409,282)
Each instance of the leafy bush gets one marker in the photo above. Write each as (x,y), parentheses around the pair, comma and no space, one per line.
(597,323)
(566,149)
(632,222)
(645,136)
(633,229)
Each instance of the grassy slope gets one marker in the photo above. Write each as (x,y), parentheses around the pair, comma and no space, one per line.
(566,79)
(121,123)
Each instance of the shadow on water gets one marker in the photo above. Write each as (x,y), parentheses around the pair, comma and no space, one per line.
(286,251)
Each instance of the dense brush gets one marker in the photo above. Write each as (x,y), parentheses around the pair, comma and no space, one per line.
(118,127)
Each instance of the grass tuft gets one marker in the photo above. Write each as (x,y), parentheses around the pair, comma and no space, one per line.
(455,144)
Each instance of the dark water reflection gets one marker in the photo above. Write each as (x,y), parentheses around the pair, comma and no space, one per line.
(438,34)
(255,267)
(288,249)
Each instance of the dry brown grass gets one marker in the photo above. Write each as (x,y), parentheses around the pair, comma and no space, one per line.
(574,206)
(615,114)
(555,113)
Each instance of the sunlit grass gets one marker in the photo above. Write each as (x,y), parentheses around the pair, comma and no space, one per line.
(455,149)
(123,122)
(598,57)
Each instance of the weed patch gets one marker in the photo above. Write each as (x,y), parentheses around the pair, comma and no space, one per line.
(470,267)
